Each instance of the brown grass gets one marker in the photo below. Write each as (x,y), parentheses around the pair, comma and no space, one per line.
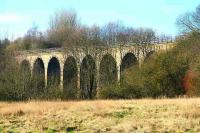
(147,115)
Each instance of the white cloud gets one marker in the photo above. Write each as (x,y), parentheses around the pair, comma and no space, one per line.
(10,18)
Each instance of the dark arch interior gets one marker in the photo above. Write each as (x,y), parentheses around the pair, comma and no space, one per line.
(70,78)
(53,73)
(149,55)
(108,70)
(25,68)
(38,76)
(25,71)
(88,78)
(128,61)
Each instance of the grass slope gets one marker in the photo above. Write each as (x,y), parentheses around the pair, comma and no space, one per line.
(164,115)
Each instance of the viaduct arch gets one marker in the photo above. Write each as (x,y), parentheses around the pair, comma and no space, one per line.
(83,70)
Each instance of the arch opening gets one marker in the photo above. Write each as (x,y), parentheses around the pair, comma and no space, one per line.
(38,77)
(25,69)
(53,73)
(70,79)
(108,70)
(88,78)
(25,74)
(128,61)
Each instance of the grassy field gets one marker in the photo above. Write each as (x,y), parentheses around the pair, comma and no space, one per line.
(165,115)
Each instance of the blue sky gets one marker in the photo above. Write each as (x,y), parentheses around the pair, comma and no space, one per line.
(17,16)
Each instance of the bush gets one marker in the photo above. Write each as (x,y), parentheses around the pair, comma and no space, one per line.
(160,76)
(17,84)
(192,79)
(113,91)
(191,48)
(11,87)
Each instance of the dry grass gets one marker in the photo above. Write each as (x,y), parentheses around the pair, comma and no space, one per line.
(164,115)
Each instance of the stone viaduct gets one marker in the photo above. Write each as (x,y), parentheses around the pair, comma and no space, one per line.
(58,61)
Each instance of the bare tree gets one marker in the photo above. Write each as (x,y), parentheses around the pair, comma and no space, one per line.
(94,35)
(63,27)
(109,33)
(33,38)
(143,36)
(189,21)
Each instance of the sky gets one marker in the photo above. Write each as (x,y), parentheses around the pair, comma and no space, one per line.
(17,16)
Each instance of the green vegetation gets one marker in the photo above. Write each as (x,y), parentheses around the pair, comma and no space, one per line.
(163,74)
(11,87)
